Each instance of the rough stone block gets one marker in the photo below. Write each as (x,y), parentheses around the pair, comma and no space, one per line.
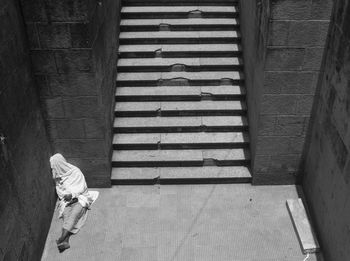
(98,180)
(54,35)
(280,59)
(261,163)
(278,33)
(54,108)
(52,129)
(67,10)
(339,149)
(266,125)
(291,9)
(278,104)
(285,163)
(13,55)
(81,107)
(304,104)
(88,149)
(33,36)
(308,33)
(74,61)
(63,147)
(43,62)
(321,9)
(313,59)
(43,86)
(274,179)
(73,84)
(80,35)
(94,128)
(91,166)
(33,10)
(70,129)
(273,83)
(290,126)
(290,82)
(279,145)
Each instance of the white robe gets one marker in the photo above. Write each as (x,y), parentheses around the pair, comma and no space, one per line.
(70,180)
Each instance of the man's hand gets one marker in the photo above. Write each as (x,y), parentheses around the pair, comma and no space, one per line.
(67,197)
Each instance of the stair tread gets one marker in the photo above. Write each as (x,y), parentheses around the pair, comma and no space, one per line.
(179,47)
(158,91)
(179,90)
(188,21)
(185,61)
(179,34)
(180,121)
(173,9)
(181,172)
(181,138)
(203,105)
(204,75)
(180,106)
(179,155)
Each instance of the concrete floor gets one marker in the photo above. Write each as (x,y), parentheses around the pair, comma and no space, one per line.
(235,222)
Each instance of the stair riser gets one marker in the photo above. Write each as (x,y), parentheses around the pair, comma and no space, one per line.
(179,3)
(182,181)
(222,40)
(184,54)
(179,98)
(187,68)
(179,113)
(178,15)
(198,27)
(155,164)
(236,145)
(173,82)
(179,129)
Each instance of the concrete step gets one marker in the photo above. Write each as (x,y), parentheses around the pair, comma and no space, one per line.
(152,12)
(174,141)
(185,108)
(180,175)
(180,78)
(180,93)
(180,37)
(179,50)
(180,124)
(179,2)
(180,64)
(180,158)
(190,24)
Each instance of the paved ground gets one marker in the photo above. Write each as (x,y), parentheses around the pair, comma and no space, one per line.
(197,223)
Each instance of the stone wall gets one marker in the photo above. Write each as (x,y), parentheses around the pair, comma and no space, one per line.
(74,53)
(283,51)
(254,17)
(26,186)
(327,161)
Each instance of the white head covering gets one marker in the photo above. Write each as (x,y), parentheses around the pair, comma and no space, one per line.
(71,181)
(60,167)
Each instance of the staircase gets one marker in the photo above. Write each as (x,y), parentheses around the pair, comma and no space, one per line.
(180,114)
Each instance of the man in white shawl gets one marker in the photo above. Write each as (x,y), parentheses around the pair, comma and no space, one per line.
(74,198)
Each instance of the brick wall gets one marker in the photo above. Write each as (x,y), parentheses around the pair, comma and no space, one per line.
(73,50)
(327,161)
(26,187)
(282,66)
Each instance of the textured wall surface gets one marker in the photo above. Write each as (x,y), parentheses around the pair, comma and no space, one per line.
(254,17)
(327,163)
(73,50)
(26,187)
(283,42)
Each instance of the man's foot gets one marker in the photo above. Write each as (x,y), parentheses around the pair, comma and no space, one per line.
(63,246)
